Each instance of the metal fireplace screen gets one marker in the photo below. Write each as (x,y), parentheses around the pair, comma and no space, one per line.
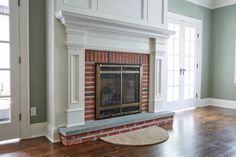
(118,90)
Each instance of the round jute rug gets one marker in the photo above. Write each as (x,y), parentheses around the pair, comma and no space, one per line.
(142,137)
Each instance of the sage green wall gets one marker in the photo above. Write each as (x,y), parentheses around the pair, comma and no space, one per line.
(188,9)
(222,55)
(37,50)
(219,30)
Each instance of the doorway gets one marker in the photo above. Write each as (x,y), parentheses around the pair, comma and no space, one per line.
(9,70)
(184,61)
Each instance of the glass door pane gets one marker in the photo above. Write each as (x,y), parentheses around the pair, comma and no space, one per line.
(173,64)
(190,62)
(5,92)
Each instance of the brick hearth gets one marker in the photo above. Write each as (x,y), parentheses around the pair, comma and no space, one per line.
(92,57)
(94,135)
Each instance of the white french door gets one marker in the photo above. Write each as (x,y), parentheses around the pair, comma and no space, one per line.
(182,86)
(9,70)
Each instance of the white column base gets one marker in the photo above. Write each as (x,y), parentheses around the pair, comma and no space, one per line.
(157,105)
(75,117)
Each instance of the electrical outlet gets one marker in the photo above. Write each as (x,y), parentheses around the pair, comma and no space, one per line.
(33,111)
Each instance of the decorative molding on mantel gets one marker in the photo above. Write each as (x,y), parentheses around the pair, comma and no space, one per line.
(213,4)
(88,32)
(98,23)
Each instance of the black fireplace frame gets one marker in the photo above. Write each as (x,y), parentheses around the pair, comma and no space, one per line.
(137,106)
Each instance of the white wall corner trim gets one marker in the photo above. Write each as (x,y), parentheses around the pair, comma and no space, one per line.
(38,129)
(235,63)
(218,103)
(213,4)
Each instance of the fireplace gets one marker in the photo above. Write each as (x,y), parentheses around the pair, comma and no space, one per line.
(118,90)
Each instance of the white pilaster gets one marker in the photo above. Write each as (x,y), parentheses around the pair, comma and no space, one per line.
(76,64)
(157,91)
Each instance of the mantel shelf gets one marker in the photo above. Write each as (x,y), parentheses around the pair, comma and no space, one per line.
(72,20)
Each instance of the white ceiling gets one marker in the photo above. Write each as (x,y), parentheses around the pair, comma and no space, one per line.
(213,4)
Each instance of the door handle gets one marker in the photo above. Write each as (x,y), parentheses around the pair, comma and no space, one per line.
(180,71)
(184,70)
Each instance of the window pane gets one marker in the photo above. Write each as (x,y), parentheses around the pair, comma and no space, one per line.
(170,94)
(186,62)
(4,109)
(170,63)
(4,56)
(187,48)
(192,49)
(186,92)
(186,78)
(5,83)
(176,62)
(4,27)
(176,94)
(191,78)
(176,78)
(170,46)
(170,78)
(176,47)
(193,34)
(4,6)
(177,32)
(187,34)
(191,92)
(192,63)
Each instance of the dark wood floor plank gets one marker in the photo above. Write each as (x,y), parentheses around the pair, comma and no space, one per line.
(204,132)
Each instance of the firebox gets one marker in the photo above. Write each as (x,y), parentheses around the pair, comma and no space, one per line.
(118,90)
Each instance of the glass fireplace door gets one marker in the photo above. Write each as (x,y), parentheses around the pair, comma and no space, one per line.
(117,90)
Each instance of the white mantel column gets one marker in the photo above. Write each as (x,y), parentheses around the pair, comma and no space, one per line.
(158,80)
(76,70)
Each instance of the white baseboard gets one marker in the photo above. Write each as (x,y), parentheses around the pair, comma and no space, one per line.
(218,103)
(53,134)
(205,102)
(38,129)
(43,129)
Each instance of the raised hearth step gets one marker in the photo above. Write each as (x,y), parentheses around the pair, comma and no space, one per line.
(113,122)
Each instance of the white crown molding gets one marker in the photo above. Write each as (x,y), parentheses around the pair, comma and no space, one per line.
(213,4)
(203,3)
(222,3)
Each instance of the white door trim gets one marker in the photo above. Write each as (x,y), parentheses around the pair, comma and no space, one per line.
(199,53)
(24,69)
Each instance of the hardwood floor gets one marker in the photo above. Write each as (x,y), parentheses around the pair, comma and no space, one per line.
(204,132)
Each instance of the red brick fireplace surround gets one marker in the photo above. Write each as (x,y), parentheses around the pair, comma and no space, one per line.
(93,130)
(92,57)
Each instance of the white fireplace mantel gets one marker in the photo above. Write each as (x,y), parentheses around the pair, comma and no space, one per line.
(88,32)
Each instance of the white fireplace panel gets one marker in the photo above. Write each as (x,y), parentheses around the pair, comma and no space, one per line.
(155,6)
(116,42)
(79,3)
(74,76)
(142,12)
(126,8)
